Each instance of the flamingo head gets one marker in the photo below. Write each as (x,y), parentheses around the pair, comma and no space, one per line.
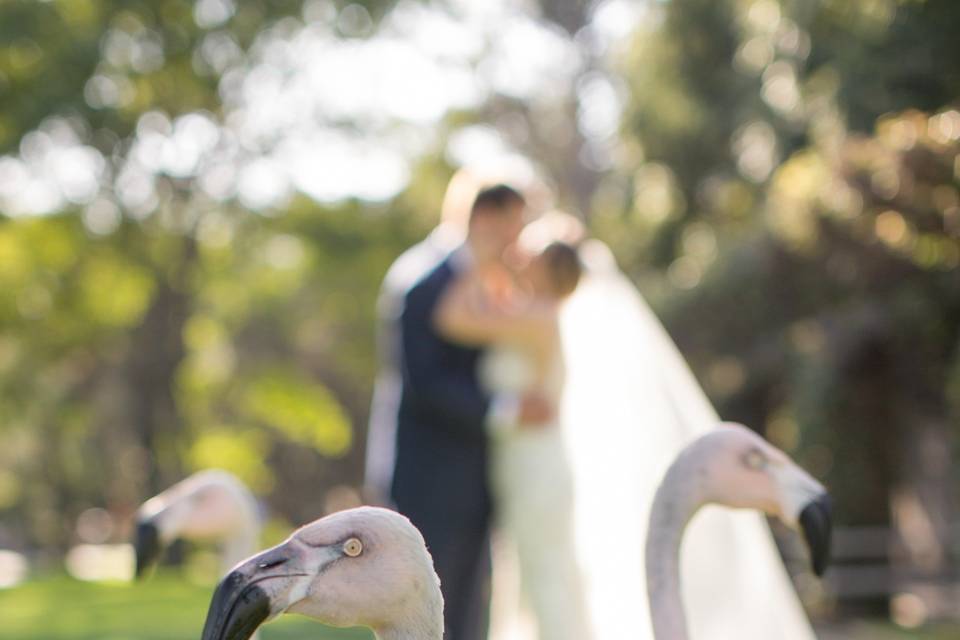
(739,469)
(361,567)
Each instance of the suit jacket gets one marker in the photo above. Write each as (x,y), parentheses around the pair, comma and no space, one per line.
(412,265)
(441,454)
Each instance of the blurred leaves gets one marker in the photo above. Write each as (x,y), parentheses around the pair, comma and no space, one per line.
(115,292)
(786,169)
(146,330)
(813,148)
(302,410)
(236,450)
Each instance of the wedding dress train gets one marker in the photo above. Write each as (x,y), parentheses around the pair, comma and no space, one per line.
(630,405)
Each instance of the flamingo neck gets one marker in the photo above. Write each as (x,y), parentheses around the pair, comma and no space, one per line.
(243,541)
(423,621)
(240,546)
(394,633)
(675,504)
(423,630)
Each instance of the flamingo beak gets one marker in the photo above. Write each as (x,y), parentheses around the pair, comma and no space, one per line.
(238,608)
(805,505)
(816,522)
(260,588)
(147,547)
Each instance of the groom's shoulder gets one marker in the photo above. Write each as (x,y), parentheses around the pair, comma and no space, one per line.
(414,263)
(433,280)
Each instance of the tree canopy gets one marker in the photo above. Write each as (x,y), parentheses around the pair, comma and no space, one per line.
(199,199)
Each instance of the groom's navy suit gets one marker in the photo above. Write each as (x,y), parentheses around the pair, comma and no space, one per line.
(440,478)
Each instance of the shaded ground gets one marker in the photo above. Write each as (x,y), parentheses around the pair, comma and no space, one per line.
(878,631)
(165,608)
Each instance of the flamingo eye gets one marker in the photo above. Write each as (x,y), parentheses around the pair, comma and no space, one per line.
(353,547)
(755,459)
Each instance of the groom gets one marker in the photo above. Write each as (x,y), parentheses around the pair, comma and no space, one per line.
(440,474)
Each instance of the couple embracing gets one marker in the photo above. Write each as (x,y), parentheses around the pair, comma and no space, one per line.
(465,430)
(481,374)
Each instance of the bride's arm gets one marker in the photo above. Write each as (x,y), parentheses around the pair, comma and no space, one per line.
(466,315)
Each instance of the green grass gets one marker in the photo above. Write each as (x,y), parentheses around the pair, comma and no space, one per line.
(168,608)
(164,608)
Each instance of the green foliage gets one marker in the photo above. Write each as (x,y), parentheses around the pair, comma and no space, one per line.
(890,55)
(791,192)
(237,451)
(785,168)
(202,335)
(303,411)
(114,291)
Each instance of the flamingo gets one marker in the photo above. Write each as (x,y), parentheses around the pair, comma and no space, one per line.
(370,567)
(361,567)
(211,505)
(734,467)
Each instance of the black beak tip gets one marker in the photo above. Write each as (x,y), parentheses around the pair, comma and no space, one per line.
(147,547)
(236,610)
(816,521)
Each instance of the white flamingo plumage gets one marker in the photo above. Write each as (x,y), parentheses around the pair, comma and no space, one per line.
(370,567)
(210,506)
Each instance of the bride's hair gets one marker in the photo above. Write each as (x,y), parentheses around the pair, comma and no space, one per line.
(563,267)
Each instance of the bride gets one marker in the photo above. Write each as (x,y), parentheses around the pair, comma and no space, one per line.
(630,405)
(529,473)
(627,404)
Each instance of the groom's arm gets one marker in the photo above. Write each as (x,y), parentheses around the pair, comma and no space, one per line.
(456,400)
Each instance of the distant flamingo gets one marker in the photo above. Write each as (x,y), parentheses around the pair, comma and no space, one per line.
(211,506)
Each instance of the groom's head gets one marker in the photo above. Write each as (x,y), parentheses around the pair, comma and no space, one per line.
(496,219)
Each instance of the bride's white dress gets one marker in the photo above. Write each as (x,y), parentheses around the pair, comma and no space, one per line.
(629,405)
(532,484)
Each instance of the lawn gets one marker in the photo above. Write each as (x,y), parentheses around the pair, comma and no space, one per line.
(165,608)
(169,608)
